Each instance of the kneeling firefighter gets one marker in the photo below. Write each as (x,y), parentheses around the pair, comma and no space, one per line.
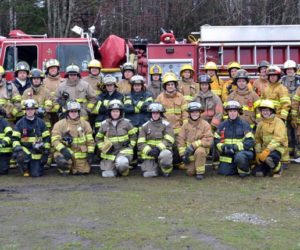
(31,142)
(116,139)
(73,141)
(155,142)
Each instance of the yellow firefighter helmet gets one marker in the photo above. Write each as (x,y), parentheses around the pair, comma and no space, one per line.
(2,71)
(155,70)
(211,66)
(187,67)
(169,77)
(95,64)
(267,104)
(233,65)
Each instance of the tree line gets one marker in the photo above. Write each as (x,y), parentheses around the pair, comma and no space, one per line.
(144,18)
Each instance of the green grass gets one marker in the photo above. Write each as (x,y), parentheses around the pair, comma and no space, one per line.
(89,212)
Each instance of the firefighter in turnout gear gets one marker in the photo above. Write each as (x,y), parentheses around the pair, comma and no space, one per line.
(262,82)
(31,142)
(110,93)
(270,141)
(187,87)
(137,102)
(279,95)
(95,77)
(124,86)
(10,99)
(78,90)
(216,85)
(51,82)
(235,141)
(212,107)
(115,140)
(194,141)
(291,81)
(5,143)
(155,142)
(22,81)
(248,99)
(155,85)
(295,121)
(40,94)
(73,141)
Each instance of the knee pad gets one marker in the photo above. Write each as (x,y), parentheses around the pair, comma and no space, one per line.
(108,173)
(122,163)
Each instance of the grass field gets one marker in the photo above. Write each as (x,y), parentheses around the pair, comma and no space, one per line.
(89,212)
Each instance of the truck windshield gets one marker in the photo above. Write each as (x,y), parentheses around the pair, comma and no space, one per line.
(76,54)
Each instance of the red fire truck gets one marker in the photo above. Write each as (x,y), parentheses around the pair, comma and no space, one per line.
(223,44)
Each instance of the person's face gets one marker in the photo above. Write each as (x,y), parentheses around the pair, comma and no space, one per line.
(128,74)
(36,81)
(186,74)
(155,77)
(233,114)
(115,114)
(211,72)
(233,72)
(290,71)
(95,71)
(204,87)
(30,112)
(137,87)
(273,78)
(73,114)
(263,71)
(22,75)
(195,115)
(170,87)
(156,116)
(73,77)
(110,87)
(241,83)
(53,71)
(265,112)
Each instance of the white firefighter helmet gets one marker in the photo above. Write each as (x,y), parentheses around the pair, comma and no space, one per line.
(73,105)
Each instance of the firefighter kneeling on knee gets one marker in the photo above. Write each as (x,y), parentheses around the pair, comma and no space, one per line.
(73,141)
(194,140)
(270,141)
(31,142)
(235,141)
(116,139)
(155,142)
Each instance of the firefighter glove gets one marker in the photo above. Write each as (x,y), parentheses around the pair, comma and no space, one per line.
(90,158)
(228,149)
(189,151)
(154,152)
(294,123)
(66,153)
(263,155)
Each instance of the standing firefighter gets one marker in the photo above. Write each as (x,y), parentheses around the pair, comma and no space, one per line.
(156,138)
(77,89)
(155,85)
(235,142)
(137,102)
(212,107)
(94,78)
(40,94)
(291,81)
(116,139)
(246,97)
(279,95)
(51,82)
(270,141)
(22,81)
(128,71)
(73,141)
(194,141)
(211,69)
(10,99)
(262,82)
(187,87)
(5,143)
(228,86)
(31,142)
(109,93)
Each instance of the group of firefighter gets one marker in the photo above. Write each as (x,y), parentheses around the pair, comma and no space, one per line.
(244,127)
